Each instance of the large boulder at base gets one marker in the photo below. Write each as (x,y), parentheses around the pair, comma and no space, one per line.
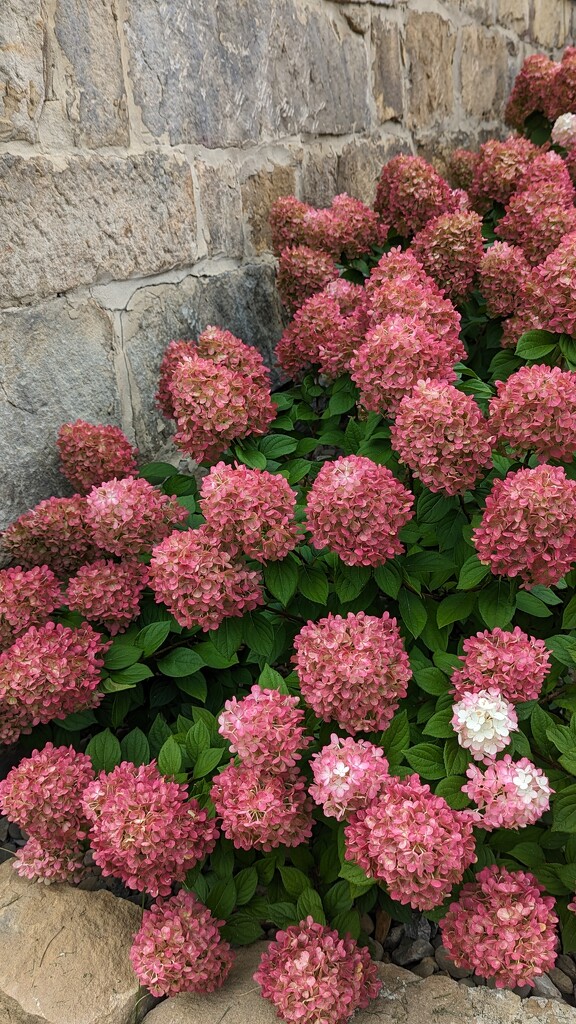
(405,999)
(64,954)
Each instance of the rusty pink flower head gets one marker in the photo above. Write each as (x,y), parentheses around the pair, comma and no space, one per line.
(410,193)
(563,92)
(535,411)
(326,330)
(48,672)
(450,249)
(509,794)
(287,220)
(549,169)
(348,775)
(54,533)
(462,164)
(357,509)
(442,436)
(261,811)
(513,662)
(200,582)
(533,90)
(250,510)
(402,267)
(175,353)
(127,517)
(527,529)
(178,948)
(301,272)
(499,169)
(312,976)
(27,598)
(61,863)
(90,454)
(537,221)
(483,721)
(265,729)
(346,227)
(108,593)
(555,295)
(421,299)
(502,927)
(413,841)
(564,131)
(353,671)
(144,830)
(503,271)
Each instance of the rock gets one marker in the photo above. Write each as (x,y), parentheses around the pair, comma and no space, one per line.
(426,968)
(367,924)
(521,990)
(220,208)
(376,949)
(484,58)
(259,192)
(318,175)
(418,928)
(546,988)
(361,162)
(467,983)
(514,14)
(393,937)
(550,25)
(446,964)
(4,825)
(387,70)
(13,831)
(22,89)
(382,925)
(410,951)
(566,964)
(430,44)
(64,954)
(562,981)
(102,217)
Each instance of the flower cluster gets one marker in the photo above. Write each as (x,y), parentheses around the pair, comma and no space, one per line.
(527,528)
(543,86)
(499,169)
(502,927)
(90,454)
(27,598)
(450,250)
(347,226)
(510,794)
(176,353)
(54,533)
(535,410)
(442,436)
(326,330)
(312,976)
(127,517)
(564,131)
(260,810)
(348,775)
(49,672)
(410,193)
(301,272)
(413,841)
(513,662)
(200,582)
(414,295)
(553,299)
(265,729)
(353,671)
(144,830)
(357,509)
(503,272)
(483,721)
(178,948)
(462,165)
(108,593)
(536,220)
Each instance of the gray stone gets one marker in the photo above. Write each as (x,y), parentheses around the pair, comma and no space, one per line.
(484,58)
(367,924)
(102,217)
(361,162)
(3,829)
(566,964)
(22,89)
(56,366)
(220,208)
(562,981)
(430,44)
(418,928)
(426,968)
(376,949)
(446,964)
(318,176)
(546,988)
(387,69)
(249,72)
(410,951)
(393,938)
(95,94)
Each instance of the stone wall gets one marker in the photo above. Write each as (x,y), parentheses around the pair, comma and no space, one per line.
(142,143)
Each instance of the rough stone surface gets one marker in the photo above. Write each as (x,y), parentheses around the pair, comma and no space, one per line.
(411,951)
(258,194)
(102,218)
(55,366)
(221,208)
(64,954)
(22,89)
(514,14)
(483,72)
(319,175)
(387,69)
(246,72)
(96,97)
(430,43)
(551,23)
(562,981)
(545,987)
(361,162)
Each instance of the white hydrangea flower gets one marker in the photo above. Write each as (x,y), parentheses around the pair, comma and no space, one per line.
(483,722)
(564,130)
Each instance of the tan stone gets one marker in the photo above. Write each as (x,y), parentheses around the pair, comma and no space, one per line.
(85,220)
(514,14)
(550,24)
(483,72)
(430,44)
(258,194)
(319,173)
(221,207)
(387,69)
(64,954)
(22,90)
(361,162)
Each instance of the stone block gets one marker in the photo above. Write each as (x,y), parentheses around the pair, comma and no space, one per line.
(246,72)
(56,367)
(81,220)
(483,72)
(259,191)
(319,174)
(387,69)
(95,95)
(430,44)
(361,162)
(513,14)
(22,90)
(551,23)
(221,208)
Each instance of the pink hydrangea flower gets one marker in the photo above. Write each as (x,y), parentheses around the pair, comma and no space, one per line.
(127,517)
(54,533)
(535,410)
(533,90)
(26,599)
(527,528)
(399,266)
(503,271)
(90,454)
(442,436)
(326,330)
(347,226)
(510,794)
(563,91)
(287,219)
(553,298)
(410,193)
(108,593)
(499,169)
(48,672)
(353,671)
(311,975)
(502,927)
(450,249)
(513,662)
(537,219)
(348,775)
(144,830)
(178,948)
(357,509)
(462,165)
(549,169)
(422,302)
(301,272)
(59,864)
(564,130)
(483,721)
(176,352)
(265,729)
(251,511)
(413,841)
(200,582)
(261,811)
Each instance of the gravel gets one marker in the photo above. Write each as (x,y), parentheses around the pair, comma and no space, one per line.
(412,951)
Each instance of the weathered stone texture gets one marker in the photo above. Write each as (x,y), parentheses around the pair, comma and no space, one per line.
(430,43)
(22,90)
(245,72)
(221,206)
(551,22)
(483,72)
(91,219)
(259,192)
(387,69)
(318,175)
(361,162)
(64,954)
(513,14)
(96,98)
(55,366)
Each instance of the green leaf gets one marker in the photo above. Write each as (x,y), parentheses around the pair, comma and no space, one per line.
(221,899)
(258,634)
(283,914)
(495,606)
(77,721)
(569,616)
(528,854)
(207,761)
(194,686)
(564,810)
(104,751)
(536,344)
(388,579)
(563,649)
(338,900)
(455,608)
(568,931)
(451,790)
(412,611)
(128,677)
(432,680)
(426,759)
(156,472)
(212,657)
(228,637)
(310,904)
(561,737)
(270,679)
(158,734)
(246,882)
(152,637)
(472,573)
(281,578)
(350,580)
(347,923)
(121,655)
(313,584)
(431,508)
(170,757)
(250,456)
(275,446)
(197,739)
(135,748)
(396,737)
(180,662)
(439,725)
(526,602)
(241,930)
(455,758)
(294,881)
(540,723)
(179,485)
